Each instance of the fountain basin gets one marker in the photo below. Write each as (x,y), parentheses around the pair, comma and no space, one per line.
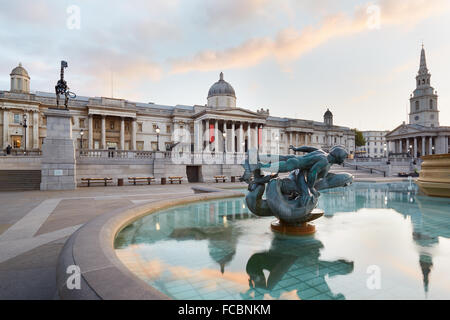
(434,177)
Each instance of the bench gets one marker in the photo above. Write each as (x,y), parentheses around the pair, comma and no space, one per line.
(172,179)
(93,180)
(140,179)
(222,178)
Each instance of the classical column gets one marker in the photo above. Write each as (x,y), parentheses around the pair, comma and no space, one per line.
(197,135)
(423,146)
(36,129)
(255,138)
(430,146)
(400,147)
(233,146)
(216,135)
(122,133)
(133,134)
(249,136)
(241,137)
(5,128)
(91,131)
(208,135)
(103,146)
(290,143)
(415,147)
(408,149)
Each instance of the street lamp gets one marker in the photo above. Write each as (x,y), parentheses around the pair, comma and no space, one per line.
(25,132)
(157,138)
(81,139)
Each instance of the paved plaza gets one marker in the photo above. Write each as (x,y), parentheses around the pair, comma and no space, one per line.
(34,226)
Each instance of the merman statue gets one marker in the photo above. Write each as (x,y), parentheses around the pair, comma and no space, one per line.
(293,199)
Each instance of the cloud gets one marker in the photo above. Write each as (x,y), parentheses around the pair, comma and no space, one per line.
(234,11)
(290,44)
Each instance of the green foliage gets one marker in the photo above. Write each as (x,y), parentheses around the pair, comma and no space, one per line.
(359,138)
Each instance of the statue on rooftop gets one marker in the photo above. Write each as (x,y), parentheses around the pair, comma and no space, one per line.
(62,88)
(293,199)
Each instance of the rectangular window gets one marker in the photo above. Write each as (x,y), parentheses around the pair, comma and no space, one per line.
(127,127)
(139,127)
(154,145)
(96,124)
(140,145)
(16,118)
(168,128)
(81,124)
(96,144)
(111,125)
(154,127)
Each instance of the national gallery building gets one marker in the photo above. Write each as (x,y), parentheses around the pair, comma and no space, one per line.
(104,127)
(119,124)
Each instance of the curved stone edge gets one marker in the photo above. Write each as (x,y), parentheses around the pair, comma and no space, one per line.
(91,248)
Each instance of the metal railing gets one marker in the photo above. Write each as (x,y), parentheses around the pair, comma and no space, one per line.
(360,167)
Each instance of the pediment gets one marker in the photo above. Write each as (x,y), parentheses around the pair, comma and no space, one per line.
(403,130)
(232,112)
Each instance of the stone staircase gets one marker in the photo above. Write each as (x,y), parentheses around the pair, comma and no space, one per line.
(358,174)
(15,180)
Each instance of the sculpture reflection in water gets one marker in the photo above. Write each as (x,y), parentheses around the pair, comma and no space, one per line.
(299,257)
(293,199)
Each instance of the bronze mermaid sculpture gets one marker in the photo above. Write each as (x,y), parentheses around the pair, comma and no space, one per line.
(293,199)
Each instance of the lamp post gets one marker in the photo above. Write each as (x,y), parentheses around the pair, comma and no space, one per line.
(81,140)
(157,138)
(25,132)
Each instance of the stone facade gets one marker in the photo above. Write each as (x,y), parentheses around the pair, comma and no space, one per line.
(423,135)
(375,147)
(111,132)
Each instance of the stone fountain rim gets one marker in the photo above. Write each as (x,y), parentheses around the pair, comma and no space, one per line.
(91,248)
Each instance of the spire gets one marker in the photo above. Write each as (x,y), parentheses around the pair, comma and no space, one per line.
(423,62)
(221,76)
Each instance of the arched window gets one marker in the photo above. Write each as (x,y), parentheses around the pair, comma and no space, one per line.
(417,105)
(431,103)
(423,81)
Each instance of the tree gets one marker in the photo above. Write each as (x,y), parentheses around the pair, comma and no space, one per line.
(359,138)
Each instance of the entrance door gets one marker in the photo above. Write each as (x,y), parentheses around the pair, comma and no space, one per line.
(192,173)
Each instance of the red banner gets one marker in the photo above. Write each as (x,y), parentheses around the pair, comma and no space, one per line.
(211,133)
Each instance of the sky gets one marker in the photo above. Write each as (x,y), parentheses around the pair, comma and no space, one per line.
(295,57)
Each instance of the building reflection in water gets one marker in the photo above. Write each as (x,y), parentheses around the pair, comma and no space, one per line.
(430,217)
(293,264)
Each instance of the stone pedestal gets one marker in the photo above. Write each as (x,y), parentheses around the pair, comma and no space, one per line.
(58,152)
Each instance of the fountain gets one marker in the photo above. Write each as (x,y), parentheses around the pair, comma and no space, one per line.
(434,177)
(293,200)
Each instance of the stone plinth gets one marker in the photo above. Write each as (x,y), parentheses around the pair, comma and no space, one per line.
(58,167)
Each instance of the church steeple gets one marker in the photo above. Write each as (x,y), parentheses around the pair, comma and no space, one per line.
(424,100)
(423,62)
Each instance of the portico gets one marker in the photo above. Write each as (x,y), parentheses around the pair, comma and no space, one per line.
(228,130)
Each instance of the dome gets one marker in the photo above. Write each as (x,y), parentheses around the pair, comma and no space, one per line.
(221,88)
(328,113)
(19,71)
